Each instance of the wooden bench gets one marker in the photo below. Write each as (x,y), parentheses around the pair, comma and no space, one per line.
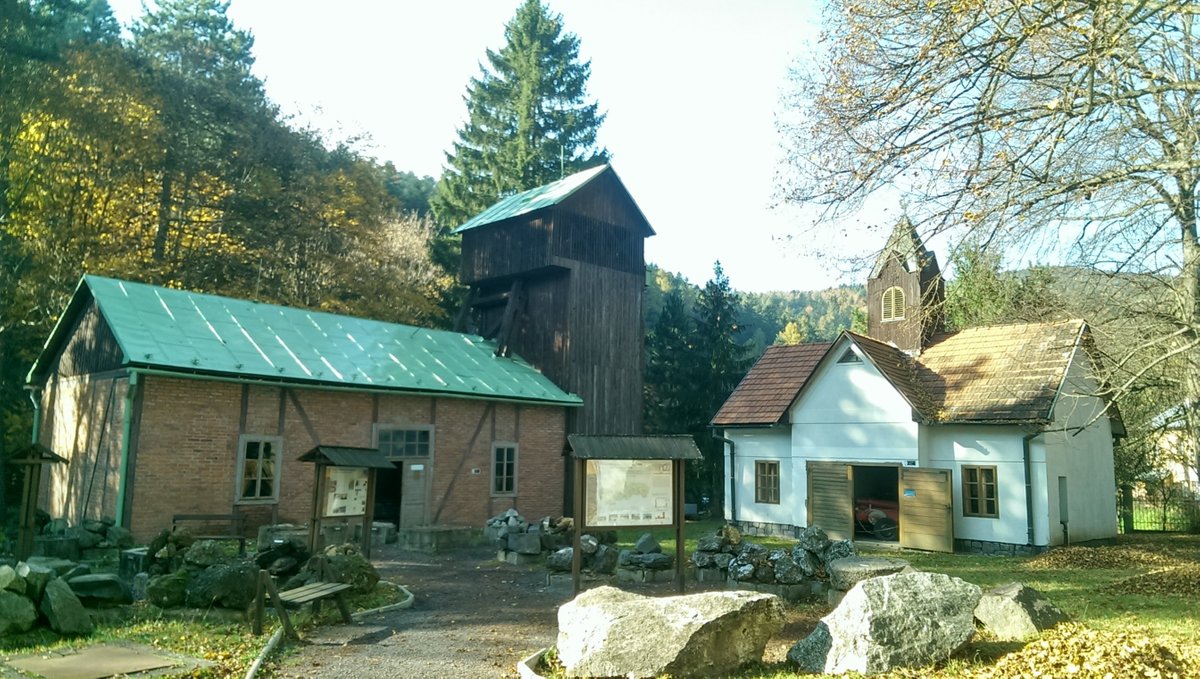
(313,592)
(234,521)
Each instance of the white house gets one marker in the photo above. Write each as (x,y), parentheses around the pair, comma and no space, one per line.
(989,439)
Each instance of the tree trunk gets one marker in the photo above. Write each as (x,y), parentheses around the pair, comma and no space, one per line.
(164,208)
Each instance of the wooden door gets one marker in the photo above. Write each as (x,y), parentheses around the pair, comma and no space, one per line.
(414,495)
(830,498)
(926,519)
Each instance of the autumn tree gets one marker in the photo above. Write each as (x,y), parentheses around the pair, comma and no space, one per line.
(1069,127)
(795,332)
(530,121)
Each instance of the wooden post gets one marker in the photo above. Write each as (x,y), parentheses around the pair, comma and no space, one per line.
(314,524)
(677,474)
(260,591)
(579,466)
(369,517)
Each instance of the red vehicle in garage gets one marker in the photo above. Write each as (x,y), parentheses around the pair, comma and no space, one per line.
(878,518)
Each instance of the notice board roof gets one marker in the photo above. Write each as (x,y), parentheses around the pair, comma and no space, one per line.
(605,447)
(340,456)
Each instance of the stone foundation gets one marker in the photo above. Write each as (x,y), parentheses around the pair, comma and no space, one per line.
(784,530)
(990,548)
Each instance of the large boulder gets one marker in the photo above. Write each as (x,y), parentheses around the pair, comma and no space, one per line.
(59,566)
(36,578)
(63,609)
(607,632)
(812,539)
(838,549)
(10,581)
(17,613)
(604,561)
(226,585)
(168,591)
(900,620)
(103,588)
(86,538)
(119,537)
(1014,612)
(848,571)
(205,553)
(561,560)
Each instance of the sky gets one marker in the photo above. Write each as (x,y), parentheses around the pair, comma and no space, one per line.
(691,89)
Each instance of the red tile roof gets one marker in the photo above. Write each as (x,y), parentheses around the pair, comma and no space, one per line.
(764,394)
(1002,374)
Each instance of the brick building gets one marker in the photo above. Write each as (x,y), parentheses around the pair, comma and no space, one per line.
(172,402)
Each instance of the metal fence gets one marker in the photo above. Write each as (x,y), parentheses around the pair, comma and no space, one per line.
(1174,516)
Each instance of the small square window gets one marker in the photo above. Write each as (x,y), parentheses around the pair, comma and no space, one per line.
(979,492)
(766,482)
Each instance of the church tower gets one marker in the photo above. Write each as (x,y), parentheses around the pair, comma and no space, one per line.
(905,292)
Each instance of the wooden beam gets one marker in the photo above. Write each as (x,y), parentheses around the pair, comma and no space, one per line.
(509,319)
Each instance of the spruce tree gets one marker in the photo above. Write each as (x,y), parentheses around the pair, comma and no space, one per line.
(530,120)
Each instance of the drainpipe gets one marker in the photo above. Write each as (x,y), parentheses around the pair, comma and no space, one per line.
(732,477)
(35,397)
(1025,456)
(126,433)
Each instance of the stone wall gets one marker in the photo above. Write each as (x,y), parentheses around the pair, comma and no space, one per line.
(995,548)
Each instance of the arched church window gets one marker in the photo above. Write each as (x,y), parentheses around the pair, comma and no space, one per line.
(893,304)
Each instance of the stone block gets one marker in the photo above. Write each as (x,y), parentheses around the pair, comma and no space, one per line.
(525,543)
(133,561)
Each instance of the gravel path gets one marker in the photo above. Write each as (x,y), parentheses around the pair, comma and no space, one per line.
(472,617)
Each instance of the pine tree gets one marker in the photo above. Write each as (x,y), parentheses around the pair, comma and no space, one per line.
(724,360)
(530,121)
(672,403)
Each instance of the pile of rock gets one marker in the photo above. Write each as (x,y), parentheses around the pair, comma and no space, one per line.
(55,592)
(519,541)
(644,563)
(815,567)
(90,539)
(599,555)
(203,573)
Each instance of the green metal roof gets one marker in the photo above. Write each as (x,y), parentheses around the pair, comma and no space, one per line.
(634,447)
(188,332)
(533,199)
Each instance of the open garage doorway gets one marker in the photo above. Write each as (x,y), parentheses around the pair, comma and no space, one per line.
(876,502)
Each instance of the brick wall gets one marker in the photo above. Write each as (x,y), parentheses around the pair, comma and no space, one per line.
(188,437)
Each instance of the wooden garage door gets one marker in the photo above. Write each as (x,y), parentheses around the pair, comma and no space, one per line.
(926,521)
(830,501)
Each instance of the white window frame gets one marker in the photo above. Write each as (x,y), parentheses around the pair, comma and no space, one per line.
(893,311)
(277,452)
(427,428)
(516,467)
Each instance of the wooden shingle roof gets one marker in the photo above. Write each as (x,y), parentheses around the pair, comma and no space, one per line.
(1004,374)
(764,394)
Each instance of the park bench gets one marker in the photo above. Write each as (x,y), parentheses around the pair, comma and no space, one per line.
(313,592)
(234,521)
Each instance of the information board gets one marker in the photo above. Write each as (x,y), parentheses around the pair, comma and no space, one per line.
(345,491)
(629,493)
